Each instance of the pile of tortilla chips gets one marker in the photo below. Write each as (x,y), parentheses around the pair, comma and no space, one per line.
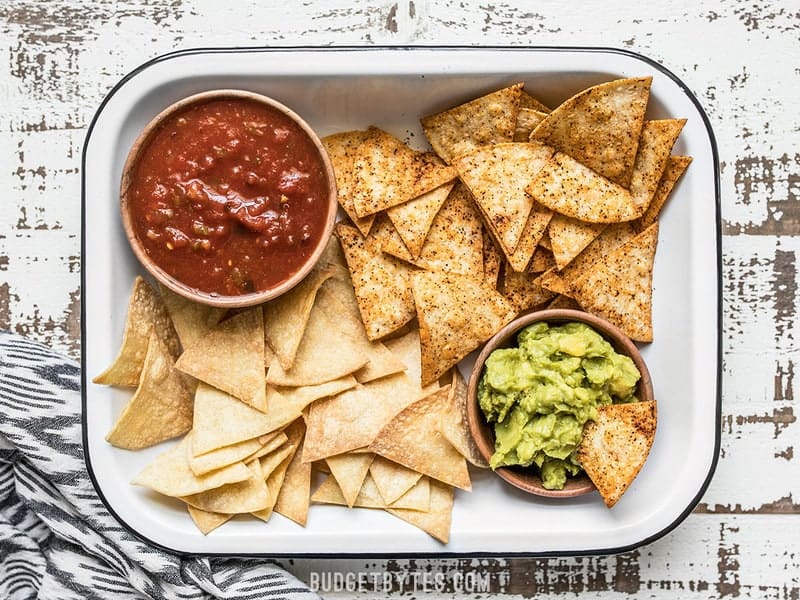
(264,395)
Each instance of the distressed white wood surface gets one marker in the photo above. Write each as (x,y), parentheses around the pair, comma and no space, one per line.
(58,59)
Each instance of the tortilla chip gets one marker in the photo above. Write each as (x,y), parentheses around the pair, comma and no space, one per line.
(492,259)
(526,100)
(455,316)
(480,122)
(272,442)
(568,237)
(655,144)
(527,120)
(235,498)
(386,173)
(676,166)
(278,475)
(619,288)
(342,148)
(192,320)
(543,260)
(436,521)
(497,177)
(286,317)
(614,448)
(231,357)
(392,479)
(535,228)
(599,127)
(554,282)
(612,237)
(562,301)
(381,285)
(272,460)
(206,521)
(222,457)
(221,420)
(524,291)
(416,498)
(146,313)
(161,408)
(413,219)
(295,399)
(408,349)
(349,470)
(169,473)
(294,496)
(413,440)
(454,425)
(545,243)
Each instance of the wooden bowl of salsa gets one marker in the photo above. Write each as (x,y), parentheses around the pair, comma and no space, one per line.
(228,198)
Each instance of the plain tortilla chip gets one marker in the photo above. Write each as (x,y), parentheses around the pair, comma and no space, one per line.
(454,424)
(619,288)
(416,498)
(614,448)
(535,228)
(568,237)
(294,496)
(296,399)
(408,349)
(498,176)
(169,473)
(527,120)
(599,127)
(192,320)
(221,420)
(655,144)
(413,219)
(286,317)
(480,122)
(436,521)
(222,457)
(381,285)
(235,498)
(455,316)
(386,173)
(161,408)
(349,470)
(278,475)
(146,313)
(569,187)
(231,357)
(413,440)
(206,521)
(676,166)
(342,148)
(392,479)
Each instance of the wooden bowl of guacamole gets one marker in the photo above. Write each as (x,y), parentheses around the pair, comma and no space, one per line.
(535,385)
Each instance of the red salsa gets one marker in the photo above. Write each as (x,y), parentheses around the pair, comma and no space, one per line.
(229,196)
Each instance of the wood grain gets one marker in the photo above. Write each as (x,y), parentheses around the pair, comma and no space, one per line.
(60,58)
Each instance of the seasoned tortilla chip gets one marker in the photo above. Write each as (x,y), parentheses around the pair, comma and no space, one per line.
(655,144)
(562,301)
(386,173)
(568,187)
(455,315)
(286,317)
(676,165)
(542,260)
(169,473)
(295,491)
(342,148)
(599,127)
(492,259)
(436,521)
(392,479)
(568,237)
(234,498)
(526,100)
(612,237)
(161,408)
(192,320)
(538,220)
(619,287)
(527,120)
(555,282)
(381,285)
(413,439)
(497,176)
(614,448)
(231,357)
(349,470)
(413,219)
(524,291)
(146,313)
(206,521)
(221,420)
(454,424)
(480,122)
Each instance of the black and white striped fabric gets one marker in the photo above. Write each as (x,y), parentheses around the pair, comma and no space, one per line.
(57,541)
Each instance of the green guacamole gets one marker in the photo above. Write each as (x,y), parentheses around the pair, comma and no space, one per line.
(540,394)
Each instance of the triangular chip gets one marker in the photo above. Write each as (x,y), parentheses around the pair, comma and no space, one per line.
(235,498)
(291,400)
(408,349)
(278,475)
(386,172)
(221,420)
(498,176)
(619,287)
(392,479)
(206,521)
(146,313)
(614,448)
(527,120)
(342,148)
(349,470)
(612,237)
(413,219)
(535,228)
(526,100)
(436,521)
(676,165)
(524,291)
(454,424)
(295,492)
(562,301)
(192,320)
(413,439)
(380,282)
(455,316)
(480,122)
(492,259)
(161,408)
(568,237)
(222,457)
(600,127)
(326,353)
(231,357)
(542,260)
(416,498)
(286,317)
(655,144)
(169,473)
